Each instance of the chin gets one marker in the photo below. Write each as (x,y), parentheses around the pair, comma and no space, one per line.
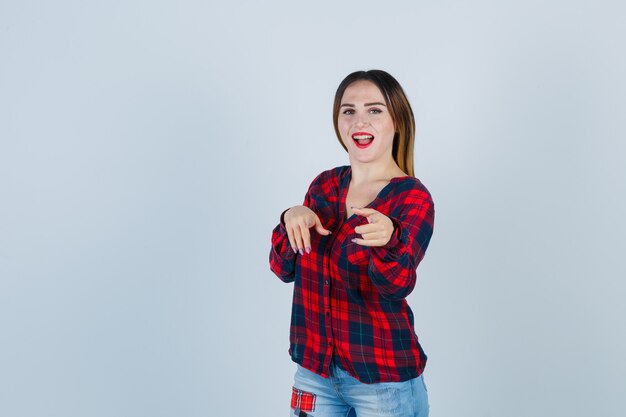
(361,158)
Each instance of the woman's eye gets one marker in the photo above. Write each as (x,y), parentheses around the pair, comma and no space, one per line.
(375,111)
(348,111)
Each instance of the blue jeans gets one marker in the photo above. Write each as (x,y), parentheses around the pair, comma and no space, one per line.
(341,395)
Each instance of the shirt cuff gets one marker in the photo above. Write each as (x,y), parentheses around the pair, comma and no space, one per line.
(284,247)
(282,220)
(396,236)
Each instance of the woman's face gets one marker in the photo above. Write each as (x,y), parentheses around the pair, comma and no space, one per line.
(365,123)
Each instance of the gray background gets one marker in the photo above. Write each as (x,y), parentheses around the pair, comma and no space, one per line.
(147,149)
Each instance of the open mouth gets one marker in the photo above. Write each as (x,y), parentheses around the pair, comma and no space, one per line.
(362,139)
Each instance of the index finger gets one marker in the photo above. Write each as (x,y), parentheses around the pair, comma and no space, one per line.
(366,211)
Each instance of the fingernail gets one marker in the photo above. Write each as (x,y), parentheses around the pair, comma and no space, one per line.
(301,251)
(308,249)
(295,250)
(353,240)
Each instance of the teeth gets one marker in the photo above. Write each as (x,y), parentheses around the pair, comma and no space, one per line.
(362,137)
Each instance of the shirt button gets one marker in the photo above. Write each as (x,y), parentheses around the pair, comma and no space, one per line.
(326,282)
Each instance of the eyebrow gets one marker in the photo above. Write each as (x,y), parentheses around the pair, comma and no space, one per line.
(365,105)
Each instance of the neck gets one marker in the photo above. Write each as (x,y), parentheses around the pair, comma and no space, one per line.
(374,171)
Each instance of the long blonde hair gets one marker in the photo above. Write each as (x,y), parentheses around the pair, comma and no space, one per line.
(399,109)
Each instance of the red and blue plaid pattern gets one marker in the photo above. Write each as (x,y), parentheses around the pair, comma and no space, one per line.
(302,400)
(349,299)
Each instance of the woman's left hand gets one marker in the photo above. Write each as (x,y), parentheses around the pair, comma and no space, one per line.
(377,232)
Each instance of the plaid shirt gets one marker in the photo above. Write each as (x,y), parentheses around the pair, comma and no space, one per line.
(349,299)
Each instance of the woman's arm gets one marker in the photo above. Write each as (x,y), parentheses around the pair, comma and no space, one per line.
(282,256)
(392,267)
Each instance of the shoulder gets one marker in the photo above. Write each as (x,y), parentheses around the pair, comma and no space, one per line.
(411,191)
(331,177)
(409,202)
(413,203)
(336,173)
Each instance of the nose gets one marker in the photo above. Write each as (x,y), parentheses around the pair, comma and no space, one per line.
(362,120)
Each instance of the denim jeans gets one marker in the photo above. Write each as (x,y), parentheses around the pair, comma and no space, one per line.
(341,395)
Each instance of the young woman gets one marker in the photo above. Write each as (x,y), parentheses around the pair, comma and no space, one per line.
(352,249)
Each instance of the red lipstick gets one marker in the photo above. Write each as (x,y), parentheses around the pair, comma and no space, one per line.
(362,139)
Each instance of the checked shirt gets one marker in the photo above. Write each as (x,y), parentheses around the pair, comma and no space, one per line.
(349,299)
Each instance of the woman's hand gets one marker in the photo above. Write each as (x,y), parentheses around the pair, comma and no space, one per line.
(377,232)
(298,220)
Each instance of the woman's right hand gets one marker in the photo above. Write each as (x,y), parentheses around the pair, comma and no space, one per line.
(298,220)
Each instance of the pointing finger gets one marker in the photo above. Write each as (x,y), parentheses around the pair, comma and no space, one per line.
(319,228)
(297,237)
(366,211)
(292,239)
(306,238)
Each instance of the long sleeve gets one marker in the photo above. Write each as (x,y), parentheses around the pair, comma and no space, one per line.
(392,267)
(282,257)
(348,299)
